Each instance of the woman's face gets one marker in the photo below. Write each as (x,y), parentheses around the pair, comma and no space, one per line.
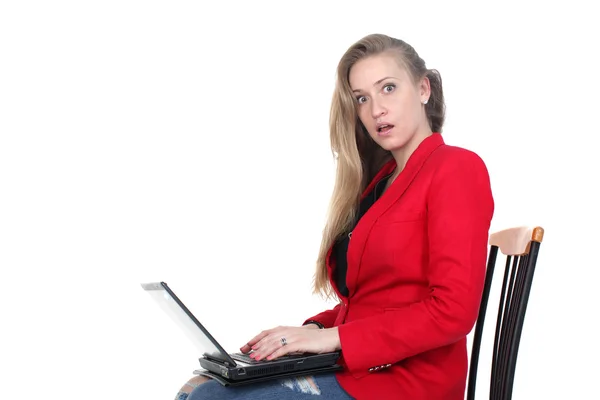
(389,103)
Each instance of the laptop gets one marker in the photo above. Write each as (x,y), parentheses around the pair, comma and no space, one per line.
(234,367)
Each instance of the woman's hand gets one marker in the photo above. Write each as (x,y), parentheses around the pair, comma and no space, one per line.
(283,340)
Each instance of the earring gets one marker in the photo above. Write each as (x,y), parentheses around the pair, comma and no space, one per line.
(425,102)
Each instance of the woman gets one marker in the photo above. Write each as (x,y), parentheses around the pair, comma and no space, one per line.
(404,248)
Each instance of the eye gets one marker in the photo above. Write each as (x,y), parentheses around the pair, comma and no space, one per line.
(389,88)
(361,99)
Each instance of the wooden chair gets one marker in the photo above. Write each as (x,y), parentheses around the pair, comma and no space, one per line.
(521,247)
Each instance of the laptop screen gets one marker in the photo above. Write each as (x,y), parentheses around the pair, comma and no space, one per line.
(193,329)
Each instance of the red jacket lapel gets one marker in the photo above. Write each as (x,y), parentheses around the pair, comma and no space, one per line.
(360,233)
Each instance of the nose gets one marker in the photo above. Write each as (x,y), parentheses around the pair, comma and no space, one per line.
(377,109)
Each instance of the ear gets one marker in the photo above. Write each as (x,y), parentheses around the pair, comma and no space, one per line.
(425,89)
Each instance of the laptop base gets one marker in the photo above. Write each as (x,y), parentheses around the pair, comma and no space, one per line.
(227,382)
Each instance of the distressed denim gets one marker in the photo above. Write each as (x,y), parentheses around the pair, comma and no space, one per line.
(322,387)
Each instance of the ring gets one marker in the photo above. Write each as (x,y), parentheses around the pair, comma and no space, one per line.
(283,341)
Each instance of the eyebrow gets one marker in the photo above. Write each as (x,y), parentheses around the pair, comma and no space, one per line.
(376,83)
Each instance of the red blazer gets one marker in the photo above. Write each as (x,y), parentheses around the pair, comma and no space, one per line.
(416,268)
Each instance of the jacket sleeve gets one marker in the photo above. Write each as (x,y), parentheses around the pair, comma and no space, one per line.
(327,318)
(459,212)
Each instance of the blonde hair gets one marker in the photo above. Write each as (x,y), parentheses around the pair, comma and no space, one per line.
(358,157)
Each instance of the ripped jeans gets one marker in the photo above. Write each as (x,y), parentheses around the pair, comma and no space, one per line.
(322,387)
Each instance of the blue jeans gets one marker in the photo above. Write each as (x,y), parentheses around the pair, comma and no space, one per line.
(322,387)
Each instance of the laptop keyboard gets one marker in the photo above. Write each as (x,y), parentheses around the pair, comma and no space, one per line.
(246,358)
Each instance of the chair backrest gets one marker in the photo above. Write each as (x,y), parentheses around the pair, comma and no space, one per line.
(520,246)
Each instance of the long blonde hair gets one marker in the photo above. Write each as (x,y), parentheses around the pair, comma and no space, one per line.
(358,157)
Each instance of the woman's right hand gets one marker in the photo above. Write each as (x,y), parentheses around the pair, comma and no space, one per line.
(247,347)
(268,344)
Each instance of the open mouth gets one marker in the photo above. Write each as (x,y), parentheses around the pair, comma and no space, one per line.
(383,129)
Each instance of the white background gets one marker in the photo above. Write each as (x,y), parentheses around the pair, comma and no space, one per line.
(188,142)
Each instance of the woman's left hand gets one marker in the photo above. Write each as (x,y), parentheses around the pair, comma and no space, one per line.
(282,340)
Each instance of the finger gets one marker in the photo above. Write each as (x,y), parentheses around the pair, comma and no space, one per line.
(252,343)
(272,344)
(263,348)
(282,351)
(245,348)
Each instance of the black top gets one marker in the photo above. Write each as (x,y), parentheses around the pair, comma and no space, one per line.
(340,247)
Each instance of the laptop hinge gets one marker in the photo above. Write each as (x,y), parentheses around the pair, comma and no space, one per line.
(217,360)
